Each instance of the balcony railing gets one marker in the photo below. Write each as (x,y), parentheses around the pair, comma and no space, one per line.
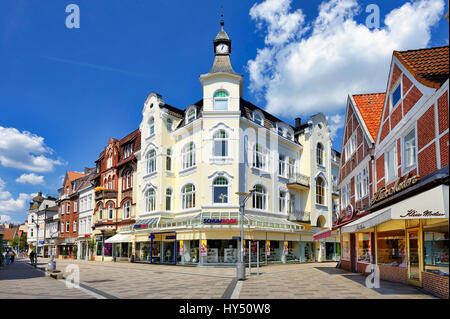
(106,194)
(297,178)
(299,216)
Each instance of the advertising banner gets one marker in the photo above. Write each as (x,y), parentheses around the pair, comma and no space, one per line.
(268,247)
(181,247)
(245,249)
(286,250)
(203,248)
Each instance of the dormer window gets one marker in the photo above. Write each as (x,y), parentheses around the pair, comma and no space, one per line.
(191,115)
(221,100)
(258,118)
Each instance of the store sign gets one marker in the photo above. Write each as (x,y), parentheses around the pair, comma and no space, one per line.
(170,237)
(204,248)
(428,213)
(398,186)
(41,242)
(98,237)
(70,240)
(140,226)
(219,221)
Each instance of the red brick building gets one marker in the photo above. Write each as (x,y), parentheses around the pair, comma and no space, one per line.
(404,227)
(68,214)
(115,206)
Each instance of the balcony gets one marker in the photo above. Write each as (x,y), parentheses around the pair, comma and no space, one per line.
(105,194)
(300,216)
(298,181)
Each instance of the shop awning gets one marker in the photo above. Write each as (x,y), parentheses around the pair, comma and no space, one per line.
(145,222)
(322,234)
(118,239)
(272,222)
(430,204)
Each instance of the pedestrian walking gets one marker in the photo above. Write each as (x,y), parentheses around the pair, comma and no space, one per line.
(13,255)
(7,258)
(32,254)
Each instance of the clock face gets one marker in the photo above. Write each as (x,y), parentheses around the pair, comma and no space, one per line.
(222,48)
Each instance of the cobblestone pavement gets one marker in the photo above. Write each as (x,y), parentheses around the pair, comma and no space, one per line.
(125,280)
(21,281)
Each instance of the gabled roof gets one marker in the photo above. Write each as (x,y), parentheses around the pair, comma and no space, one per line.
(9,233)
(429,66)
(370,107)
(74,175)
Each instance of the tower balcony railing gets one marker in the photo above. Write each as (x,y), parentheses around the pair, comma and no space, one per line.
(105,194)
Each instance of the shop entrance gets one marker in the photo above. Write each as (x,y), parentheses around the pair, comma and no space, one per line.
(163,248)
(413,257)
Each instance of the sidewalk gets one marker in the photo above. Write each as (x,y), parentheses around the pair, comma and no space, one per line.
(21,281)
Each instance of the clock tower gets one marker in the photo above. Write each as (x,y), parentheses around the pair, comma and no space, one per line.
(221,82)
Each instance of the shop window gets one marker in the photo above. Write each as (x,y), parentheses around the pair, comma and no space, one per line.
(391,248)
(435,249)
(220,190)
(346,246)
(364,247)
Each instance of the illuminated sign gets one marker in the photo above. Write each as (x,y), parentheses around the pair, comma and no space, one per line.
(219,221)
(398,186)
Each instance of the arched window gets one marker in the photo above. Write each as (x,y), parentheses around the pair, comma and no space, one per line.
(188,155)
(259,197)
(221,100)
(282,202)
(320,191)
(169,160)
(150,203)
(110,211)
(191,115)
(257,117)
(126,180)
(319,154)
(259,157)
(220,190)
(169,123)
(151,161)
(100,212)
(151,126)
(220,147)
(105,183)
(109,183)
(126,210)
(168,199)
(113,181)
(188,196)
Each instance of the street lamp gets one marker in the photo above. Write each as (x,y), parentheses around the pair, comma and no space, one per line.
(240,264)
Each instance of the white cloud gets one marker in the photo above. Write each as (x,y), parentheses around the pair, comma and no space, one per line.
(10,205)
(5,218)
(25,151)
(302,73)
(335,122)
(31,179)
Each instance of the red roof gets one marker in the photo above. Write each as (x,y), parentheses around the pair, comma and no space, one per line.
(429,66)
(371,108)
(9,233)
(74,175)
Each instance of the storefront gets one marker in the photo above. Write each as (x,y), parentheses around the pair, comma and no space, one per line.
(213,239)
(408,240)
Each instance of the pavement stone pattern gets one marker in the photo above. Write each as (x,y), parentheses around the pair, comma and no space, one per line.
(134,280)
(21,281)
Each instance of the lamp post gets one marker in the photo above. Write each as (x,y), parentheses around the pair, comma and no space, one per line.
(240,265)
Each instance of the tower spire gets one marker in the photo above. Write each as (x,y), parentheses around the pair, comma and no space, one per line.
(221,17)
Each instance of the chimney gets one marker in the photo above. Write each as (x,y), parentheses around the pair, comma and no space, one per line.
(298,121)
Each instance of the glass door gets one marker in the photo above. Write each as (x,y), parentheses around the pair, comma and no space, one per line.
(414,258)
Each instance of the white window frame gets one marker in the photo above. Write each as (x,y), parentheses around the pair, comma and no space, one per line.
(261,117)
(184,197)
(110,211)
(264,198)
(170,197)
(350,146)
(227,99)
(126,211)
(264,157)
(188,157)
(322,152)
(221,140)
(324,187)
(227,186)
(74,224)
(150,206)
(169,157)
(399,83)
(67,227)
(282,201)
(389,179)
(151,126)
(189,117)
(406,169)
(282,165)
(100,212)
(151,161)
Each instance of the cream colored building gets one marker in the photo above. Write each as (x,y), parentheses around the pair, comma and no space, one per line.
(192,162)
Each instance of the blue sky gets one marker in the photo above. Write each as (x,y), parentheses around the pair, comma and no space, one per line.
(73,89)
